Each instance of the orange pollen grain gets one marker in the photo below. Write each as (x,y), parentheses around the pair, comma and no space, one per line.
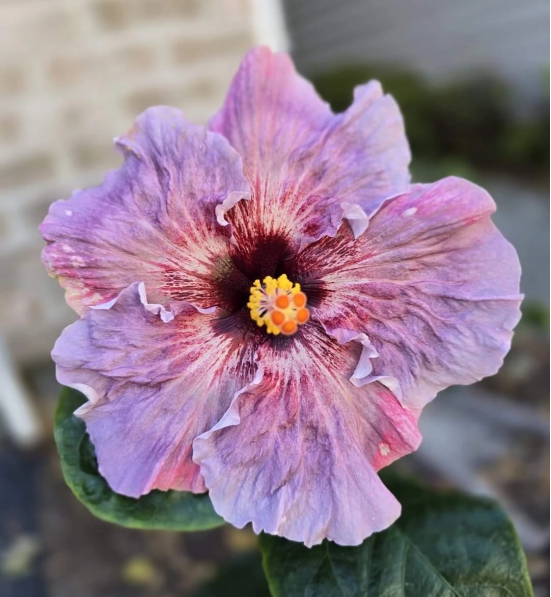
(277,317)
(282,302)
(303,315)
(299,299)
(289,327)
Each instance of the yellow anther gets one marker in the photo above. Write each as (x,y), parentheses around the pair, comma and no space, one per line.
(278,304)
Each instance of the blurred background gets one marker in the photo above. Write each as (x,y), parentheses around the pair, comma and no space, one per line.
(472,79)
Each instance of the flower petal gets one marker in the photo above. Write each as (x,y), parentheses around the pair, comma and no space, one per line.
(297,451)
(432,283)
(152,387)
(307,166)
(150,219)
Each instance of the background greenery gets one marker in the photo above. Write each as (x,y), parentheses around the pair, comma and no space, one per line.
(458,128)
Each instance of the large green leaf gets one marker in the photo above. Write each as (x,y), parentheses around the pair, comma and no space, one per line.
(173,510)
(443,545)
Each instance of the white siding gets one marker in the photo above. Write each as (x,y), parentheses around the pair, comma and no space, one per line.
(438,37)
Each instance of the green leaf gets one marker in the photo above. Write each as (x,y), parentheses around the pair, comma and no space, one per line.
(443,545)
(172,510)
(242,576)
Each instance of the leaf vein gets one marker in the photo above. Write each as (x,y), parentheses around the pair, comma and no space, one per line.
(427,562)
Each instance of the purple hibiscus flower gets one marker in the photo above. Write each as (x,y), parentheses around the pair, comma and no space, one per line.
(306,303)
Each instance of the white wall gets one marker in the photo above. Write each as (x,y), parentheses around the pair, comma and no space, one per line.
(438,37)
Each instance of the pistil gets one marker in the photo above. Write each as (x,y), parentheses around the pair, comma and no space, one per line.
(279,305)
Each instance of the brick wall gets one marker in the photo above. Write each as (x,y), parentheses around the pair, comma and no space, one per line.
(74,74)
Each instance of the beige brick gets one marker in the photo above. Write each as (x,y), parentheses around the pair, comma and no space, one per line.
(20,304)
(12,79)
(85,117)
(66,90)
(203,88)
(4,226)
(200,113)
(116,14)
(10,127)
(74,117)
(68,71)
(135,59)
(112,14)
(191,50)
(30,169)
(167,8)
(223,9)
(95,155)
(55,27)
(32,344)
(37,209)
(137,101)
(32,308)
(18,310)
(194,93)
(64,71)
(42,27)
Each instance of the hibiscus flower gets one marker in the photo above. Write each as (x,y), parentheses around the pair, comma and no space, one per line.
(267,303)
